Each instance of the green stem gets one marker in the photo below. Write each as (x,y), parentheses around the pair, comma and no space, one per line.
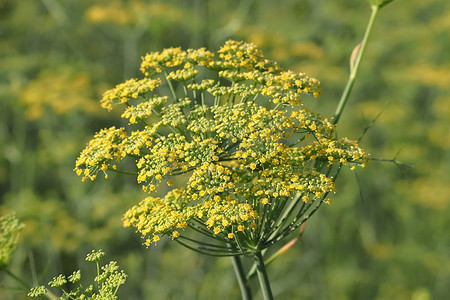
(202,95)
(49,295)
(354,69)
(246,292)
(18,279)
(262,276)
(169,83)
(280,252)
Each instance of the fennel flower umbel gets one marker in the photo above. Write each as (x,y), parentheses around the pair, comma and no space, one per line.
(257,162)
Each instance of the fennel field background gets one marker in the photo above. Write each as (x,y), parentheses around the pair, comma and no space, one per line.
(385,235)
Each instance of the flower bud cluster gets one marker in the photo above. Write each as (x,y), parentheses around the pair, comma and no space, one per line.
(108,282)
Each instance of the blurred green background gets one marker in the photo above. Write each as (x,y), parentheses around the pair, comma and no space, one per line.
(385,236)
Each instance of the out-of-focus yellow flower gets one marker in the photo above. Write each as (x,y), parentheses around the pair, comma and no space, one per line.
(131,12)
(431,75)
(61,90)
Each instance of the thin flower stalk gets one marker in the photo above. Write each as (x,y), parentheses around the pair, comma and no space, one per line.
(354,65)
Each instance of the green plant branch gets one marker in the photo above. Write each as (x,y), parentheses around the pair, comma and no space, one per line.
(277,254)
(49,295)
(17,279)
(169,83)
(355,66)
(373,121)
(396,162)
(287,246)
(241,278)
(262,276)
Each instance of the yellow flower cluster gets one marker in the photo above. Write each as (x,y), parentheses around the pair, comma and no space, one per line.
(157,62)
(173,212)
(103,148)
(335,151)
(123,92)
(256,164)
(143,110)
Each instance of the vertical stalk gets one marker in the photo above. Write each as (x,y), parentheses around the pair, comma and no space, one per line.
(262,276)
(246,292)
(49,295)
(169,83)
(17,278)
(354,69)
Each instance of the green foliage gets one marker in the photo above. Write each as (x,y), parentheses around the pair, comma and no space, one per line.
(10,229)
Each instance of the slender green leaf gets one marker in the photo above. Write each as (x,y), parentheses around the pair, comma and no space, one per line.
(380,3)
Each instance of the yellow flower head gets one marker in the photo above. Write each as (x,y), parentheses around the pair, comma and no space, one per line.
(233,123)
